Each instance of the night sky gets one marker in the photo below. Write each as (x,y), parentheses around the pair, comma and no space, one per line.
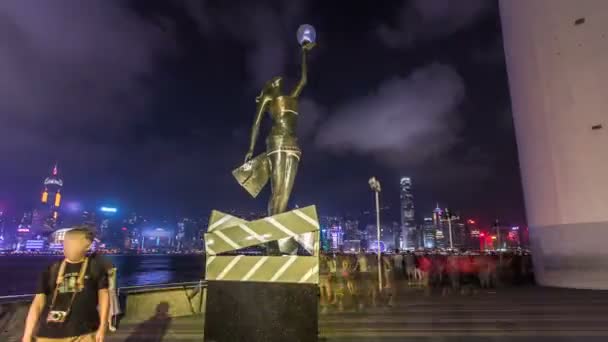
(147,105)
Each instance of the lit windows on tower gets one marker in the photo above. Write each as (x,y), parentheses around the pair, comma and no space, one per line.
(57,199)
(409,234)
(50,200)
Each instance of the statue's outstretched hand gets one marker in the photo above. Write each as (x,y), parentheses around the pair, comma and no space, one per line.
(248,156)
(308,46)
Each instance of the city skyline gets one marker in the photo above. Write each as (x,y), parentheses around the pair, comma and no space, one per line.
(48,205)
(164,125)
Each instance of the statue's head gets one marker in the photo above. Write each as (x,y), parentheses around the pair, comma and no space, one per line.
(275,83)
(272,88)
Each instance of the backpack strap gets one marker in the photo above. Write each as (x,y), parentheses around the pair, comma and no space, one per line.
(53,272)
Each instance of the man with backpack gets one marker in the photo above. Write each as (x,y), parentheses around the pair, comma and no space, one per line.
(72,301)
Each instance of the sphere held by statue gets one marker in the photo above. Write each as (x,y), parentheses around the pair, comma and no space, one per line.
(306,34)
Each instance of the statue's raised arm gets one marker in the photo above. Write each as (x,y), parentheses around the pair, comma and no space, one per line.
(304,77)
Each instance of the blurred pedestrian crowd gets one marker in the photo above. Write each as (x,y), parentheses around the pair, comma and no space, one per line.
(353,280)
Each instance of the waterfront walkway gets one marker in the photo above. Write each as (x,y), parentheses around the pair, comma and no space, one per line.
(518,314)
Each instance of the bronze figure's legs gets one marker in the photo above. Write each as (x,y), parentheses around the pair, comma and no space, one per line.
(283,169)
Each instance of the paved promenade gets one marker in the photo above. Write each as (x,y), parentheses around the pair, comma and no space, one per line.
(521,314)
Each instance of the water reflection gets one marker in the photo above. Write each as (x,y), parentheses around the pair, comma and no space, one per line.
(152,271)
(132,270)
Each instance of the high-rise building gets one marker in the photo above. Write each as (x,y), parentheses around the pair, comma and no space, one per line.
(560,123)
(428,230)
(88,219)
(51,202)
(473,235)
(2,219)
(408,222)
(2,232)
(440,229)
(389,233)
(459,231)
(332,232)
(451,230)
(351,229)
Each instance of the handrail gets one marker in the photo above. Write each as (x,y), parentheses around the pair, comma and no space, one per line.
(11,298)
(127,289)
(135,287)
(168,286)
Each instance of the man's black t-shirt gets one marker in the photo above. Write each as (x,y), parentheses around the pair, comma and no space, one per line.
(83,317)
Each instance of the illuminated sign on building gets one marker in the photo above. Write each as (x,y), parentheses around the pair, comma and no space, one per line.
(53,181)
(374,246)
(34,244)
(56,246)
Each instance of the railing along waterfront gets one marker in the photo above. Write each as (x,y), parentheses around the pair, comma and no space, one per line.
(120,290)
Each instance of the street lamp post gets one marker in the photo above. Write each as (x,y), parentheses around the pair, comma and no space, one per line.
(375,186)
(450,228)
(499,242)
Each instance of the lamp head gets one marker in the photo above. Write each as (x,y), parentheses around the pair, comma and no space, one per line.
(306,34)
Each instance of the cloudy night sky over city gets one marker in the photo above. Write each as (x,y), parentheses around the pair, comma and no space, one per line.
(147,105)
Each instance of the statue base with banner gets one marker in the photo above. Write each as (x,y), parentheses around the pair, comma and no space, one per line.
(262,298)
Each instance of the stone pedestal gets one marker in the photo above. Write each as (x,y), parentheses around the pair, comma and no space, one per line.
(250,311)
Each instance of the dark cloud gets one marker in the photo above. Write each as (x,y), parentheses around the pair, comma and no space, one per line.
(74,64)
(312,115)
(75,77)
(430,19)
(261,26)
(405,121)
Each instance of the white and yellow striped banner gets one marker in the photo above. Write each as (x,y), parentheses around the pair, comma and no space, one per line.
(227,233)
(279,269)
(220,220)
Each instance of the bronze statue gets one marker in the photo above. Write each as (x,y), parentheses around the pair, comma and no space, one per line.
(279,163)
(282,148)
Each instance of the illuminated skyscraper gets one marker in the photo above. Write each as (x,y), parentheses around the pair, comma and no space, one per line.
(2,219)
(441,229)
(428,233)
(51,200)
(408,222)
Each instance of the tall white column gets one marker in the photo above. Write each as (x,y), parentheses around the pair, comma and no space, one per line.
(557,61)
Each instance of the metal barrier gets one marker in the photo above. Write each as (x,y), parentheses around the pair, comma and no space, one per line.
(139,303)
(123,290)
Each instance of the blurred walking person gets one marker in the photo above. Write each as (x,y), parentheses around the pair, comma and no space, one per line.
(410,267)
(372,283)
(398,265)
(388,273)
(453,274)
(325,289)
(424,265)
